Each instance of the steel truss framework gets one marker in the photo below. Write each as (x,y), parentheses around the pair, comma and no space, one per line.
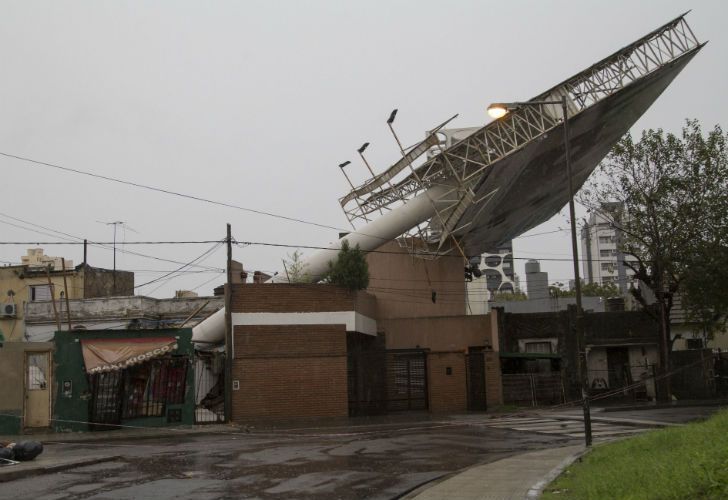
(462,165)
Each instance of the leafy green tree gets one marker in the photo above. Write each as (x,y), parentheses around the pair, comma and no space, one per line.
(605,290)
(350,270)
(296,268)
(558,289)
(507,296)
(705,285)
(673,191)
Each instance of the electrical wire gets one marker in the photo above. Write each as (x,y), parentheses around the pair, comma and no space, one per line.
(77,240)
(168,191)
(206,253)
(244,244)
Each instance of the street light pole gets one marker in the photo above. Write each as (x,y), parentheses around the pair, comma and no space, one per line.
(581,341)
(497,111)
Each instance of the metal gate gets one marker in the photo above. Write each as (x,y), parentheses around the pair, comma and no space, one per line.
(475,379)
(209,387)
(140,391)
(406,380)
(533,389)
(366,382)
(106,400)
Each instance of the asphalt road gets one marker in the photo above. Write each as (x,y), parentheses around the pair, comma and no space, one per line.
(379,461)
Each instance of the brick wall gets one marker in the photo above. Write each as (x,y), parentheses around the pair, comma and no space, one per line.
(493,382)
(99,282)
(297,297)
(403,285)
(447,333)
(447,392)
(290,371)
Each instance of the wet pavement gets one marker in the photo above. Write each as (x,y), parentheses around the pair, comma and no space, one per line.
(373,461)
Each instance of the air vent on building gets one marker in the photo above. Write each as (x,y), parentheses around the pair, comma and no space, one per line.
(9,310)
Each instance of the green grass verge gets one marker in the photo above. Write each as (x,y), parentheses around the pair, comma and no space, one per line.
(689,462)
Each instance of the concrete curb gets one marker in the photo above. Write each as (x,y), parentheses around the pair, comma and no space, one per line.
(537,489)
(20,471)
(120,435)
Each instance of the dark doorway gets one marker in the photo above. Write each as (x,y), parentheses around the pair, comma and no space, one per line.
(106,400)
(406,380)
(618,367)
(475,378)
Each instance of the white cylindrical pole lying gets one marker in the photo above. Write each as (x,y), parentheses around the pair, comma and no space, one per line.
(376,233)
(370,237)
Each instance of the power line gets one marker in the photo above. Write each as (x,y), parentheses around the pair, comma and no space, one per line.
(266,244)
(541,234)
(99,243)
(199,259)
(390,252)
(170,192)
(202,199)
(206,253)
(79,241)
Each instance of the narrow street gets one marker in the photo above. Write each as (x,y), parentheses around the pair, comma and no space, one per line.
(380,458)
(380,461)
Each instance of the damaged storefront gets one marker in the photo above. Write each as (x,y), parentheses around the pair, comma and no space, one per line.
(109,379)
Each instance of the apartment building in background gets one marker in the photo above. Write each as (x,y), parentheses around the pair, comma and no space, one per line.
(602,258)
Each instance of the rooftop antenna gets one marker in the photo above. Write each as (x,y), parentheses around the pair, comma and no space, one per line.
(124,226)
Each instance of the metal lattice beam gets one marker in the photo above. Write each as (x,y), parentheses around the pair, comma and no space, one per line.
(463,164)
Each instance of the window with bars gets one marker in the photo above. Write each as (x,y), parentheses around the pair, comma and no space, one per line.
(150,386)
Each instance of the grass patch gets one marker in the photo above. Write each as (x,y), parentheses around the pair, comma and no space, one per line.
(689,462)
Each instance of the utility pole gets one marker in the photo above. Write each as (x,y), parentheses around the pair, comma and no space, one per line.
(53,298)
(580,337)
(65,287)
(229,329)
(114,275)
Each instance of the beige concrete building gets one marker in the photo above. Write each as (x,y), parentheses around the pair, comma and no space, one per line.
(26,367)
(43,278)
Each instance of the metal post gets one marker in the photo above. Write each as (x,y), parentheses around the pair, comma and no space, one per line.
(53,298)
(229,329)
(114,274)
(65,287)
(579,311)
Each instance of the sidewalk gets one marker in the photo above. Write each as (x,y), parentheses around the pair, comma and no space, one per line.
(123,434)
(520,477)
(48,464)
(56,460)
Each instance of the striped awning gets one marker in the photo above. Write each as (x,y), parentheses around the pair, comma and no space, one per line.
(105,355)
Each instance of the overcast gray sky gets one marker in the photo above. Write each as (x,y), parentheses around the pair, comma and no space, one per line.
(255,104)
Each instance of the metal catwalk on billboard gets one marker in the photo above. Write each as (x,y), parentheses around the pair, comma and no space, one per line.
(509,176)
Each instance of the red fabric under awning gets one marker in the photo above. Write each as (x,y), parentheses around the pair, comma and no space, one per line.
(105,355)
